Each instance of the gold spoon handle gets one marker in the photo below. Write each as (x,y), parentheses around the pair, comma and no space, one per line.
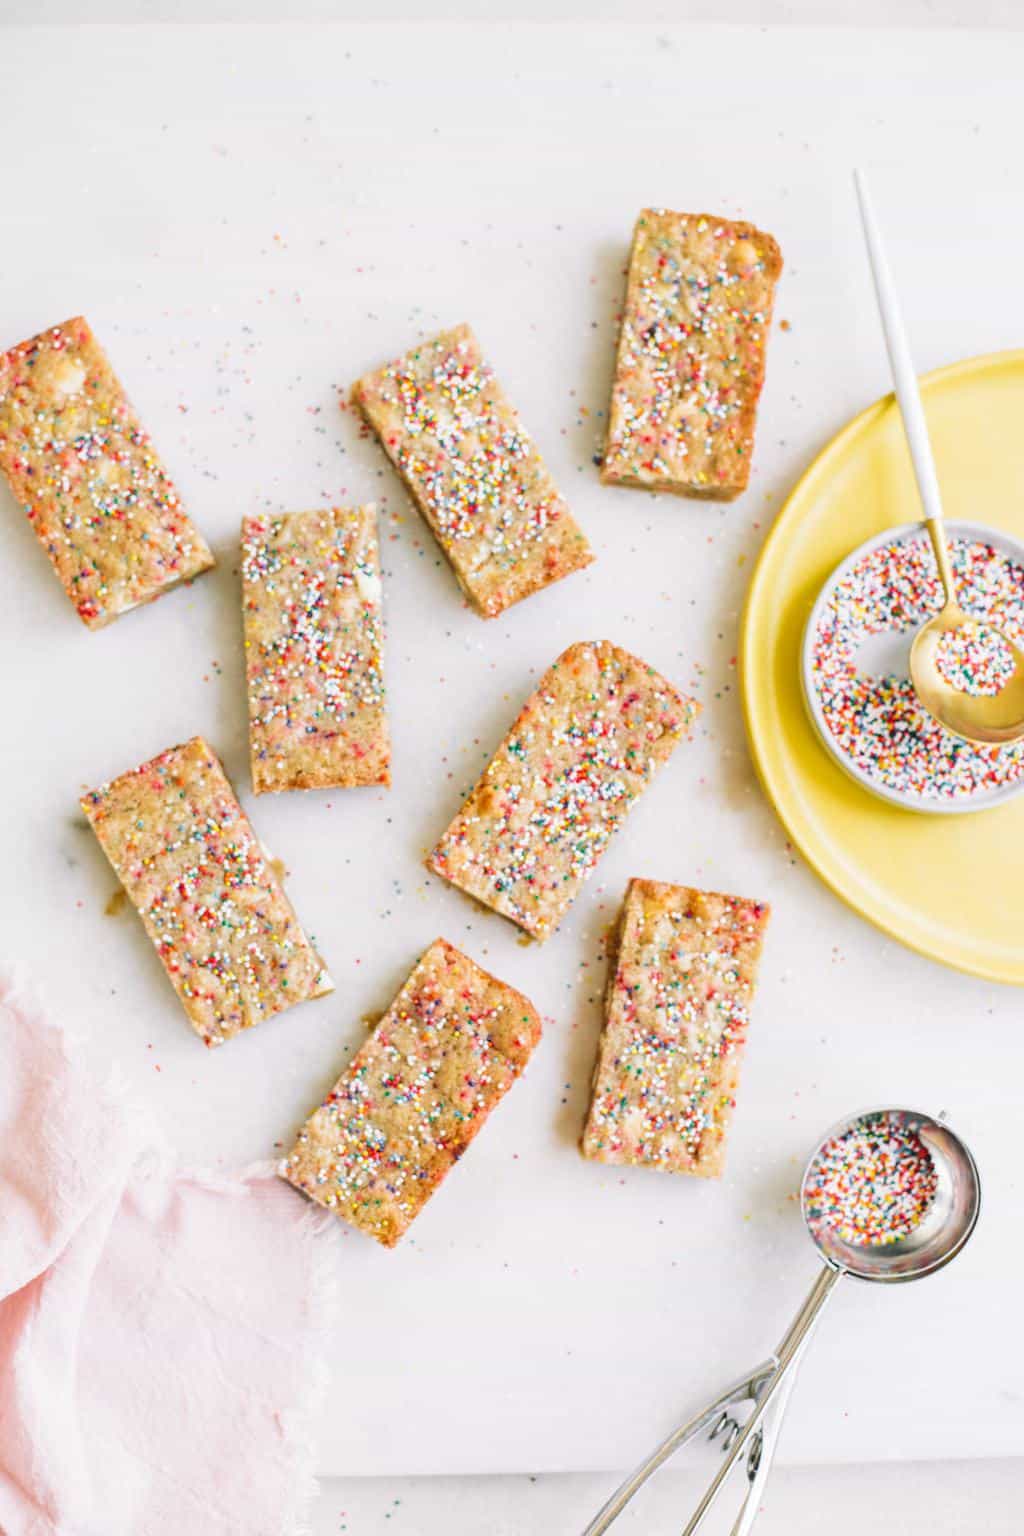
(940,548)
(905,382)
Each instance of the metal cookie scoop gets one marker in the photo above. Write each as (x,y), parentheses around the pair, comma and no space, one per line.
(996,715)
(948,1223)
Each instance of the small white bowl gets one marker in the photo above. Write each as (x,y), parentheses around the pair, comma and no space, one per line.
(893,651)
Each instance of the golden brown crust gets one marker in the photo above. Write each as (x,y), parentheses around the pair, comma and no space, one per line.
(77,458)
(676,1017)
(311,597)
(195,871)
(583,748)
(446,1052)
(473,470)
(691,355)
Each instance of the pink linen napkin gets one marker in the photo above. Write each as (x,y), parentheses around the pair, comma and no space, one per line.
(160,1331)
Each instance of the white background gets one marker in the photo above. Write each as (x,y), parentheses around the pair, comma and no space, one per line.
(211,286)
(989,14)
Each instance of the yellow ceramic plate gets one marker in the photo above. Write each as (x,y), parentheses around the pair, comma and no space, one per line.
(949,886)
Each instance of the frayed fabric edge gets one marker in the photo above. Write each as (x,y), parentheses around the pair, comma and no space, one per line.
(319,1231)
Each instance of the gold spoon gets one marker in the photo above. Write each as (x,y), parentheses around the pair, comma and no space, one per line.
(985,718)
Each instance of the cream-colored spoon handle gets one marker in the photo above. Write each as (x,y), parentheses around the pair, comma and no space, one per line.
(903,376)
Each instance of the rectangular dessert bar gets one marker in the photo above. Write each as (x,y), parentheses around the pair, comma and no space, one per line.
(585,746)
(311,598)
(677,1008)
(691,355)
(473,471)
(448,1049)
(199,878)
(101,503)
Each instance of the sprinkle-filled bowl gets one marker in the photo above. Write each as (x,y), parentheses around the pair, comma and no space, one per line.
(856,674)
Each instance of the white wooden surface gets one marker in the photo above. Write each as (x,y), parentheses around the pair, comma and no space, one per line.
(904,1499)
(250,218)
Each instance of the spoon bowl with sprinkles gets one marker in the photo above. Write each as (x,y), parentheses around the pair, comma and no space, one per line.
(969,675)
(887,1195)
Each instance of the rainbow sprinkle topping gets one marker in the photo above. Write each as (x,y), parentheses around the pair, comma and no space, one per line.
(873,1185)
(975,661)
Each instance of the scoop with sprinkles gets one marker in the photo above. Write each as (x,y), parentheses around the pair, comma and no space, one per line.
(876,722)
(873,1185)
(977,661)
